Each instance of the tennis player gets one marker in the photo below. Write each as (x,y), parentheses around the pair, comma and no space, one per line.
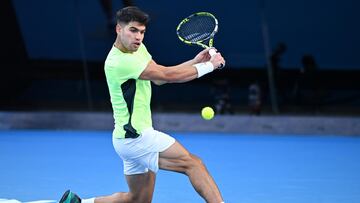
(129,68)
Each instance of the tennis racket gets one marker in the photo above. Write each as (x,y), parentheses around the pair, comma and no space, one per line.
(199,29)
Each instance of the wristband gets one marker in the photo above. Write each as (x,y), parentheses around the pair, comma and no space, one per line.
(204,68)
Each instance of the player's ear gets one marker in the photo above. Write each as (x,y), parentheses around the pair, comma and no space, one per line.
(118,28)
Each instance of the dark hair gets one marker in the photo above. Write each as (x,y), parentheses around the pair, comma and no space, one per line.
(132,13)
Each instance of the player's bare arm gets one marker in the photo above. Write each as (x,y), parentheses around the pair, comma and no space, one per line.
(172,74)
(180,73)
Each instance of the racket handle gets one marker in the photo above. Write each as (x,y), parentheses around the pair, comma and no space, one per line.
(212,52)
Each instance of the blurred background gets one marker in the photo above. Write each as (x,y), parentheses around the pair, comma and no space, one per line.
(283,57)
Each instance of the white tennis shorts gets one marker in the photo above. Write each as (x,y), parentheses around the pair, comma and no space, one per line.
(142,153)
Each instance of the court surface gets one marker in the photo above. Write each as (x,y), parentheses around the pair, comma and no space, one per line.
(41,165)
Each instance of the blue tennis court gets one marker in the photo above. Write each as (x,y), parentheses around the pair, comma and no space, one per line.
(40,165)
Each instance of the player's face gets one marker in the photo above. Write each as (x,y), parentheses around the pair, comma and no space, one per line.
(131,36)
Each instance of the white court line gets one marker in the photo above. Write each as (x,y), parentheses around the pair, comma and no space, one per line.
(17,201)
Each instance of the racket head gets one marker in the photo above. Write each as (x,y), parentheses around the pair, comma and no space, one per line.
(198,29)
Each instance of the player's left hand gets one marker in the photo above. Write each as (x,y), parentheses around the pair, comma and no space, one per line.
(217,60)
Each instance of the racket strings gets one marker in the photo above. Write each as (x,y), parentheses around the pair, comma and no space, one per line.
(197,28)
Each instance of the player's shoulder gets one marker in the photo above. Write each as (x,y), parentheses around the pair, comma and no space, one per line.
(115,58)
(143,47)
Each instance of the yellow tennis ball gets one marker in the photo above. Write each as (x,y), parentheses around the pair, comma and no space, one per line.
(207,113)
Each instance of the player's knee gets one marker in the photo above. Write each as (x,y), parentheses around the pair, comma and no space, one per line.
(193,162)
(141,198)
(197,159)
(119,197)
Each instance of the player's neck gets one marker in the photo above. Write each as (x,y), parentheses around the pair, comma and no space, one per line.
(120,46)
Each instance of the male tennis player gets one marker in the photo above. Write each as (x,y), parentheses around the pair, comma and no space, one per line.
(129,68)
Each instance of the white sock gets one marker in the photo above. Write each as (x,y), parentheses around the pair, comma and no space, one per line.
(91,200)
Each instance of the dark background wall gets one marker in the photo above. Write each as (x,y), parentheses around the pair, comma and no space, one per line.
(52,54)
(326,29)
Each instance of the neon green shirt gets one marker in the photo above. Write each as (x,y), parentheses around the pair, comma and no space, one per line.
(130,96)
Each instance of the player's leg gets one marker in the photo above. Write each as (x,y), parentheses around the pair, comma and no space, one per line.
(141,188)
(137,160)
(177,158)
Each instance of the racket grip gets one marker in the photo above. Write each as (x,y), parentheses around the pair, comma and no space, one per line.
(212,52)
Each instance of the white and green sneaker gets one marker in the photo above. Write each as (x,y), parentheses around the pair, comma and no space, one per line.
(70,197)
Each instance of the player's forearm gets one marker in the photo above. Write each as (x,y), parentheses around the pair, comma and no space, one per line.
(181,73)
(189,62)
(175,74)
(185,72)
(178,79)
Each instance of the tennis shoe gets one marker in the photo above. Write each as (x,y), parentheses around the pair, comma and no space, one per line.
(70,197)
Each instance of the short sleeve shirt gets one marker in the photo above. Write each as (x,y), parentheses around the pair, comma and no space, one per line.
(130,96)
